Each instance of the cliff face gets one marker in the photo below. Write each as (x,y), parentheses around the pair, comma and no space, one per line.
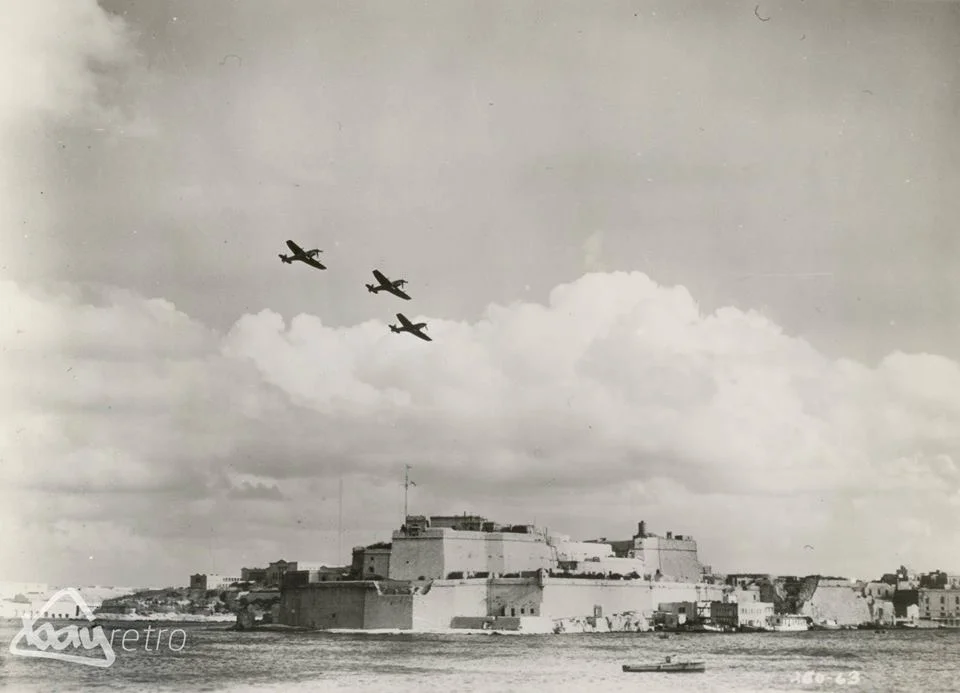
(836,602)
(171,601)
(788,595)
(257,608)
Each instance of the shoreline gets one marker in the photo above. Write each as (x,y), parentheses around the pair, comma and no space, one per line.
(165,618)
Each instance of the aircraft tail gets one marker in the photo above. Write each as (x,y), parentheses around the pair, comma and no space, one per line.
(286,259)
(371,288)
(395,329)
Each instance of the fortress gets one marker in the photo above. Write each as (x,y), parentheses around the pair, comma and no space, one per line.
(466,571)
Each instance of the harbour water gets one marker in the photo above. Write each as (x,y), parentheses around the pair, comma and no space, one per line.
(212,658)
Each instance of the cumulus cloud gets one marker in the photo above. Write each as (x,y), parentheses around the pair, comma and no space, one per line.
(65,55)
(618,399)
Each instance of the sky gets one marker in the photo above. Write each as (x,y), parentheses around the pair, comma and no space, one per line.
(687,262)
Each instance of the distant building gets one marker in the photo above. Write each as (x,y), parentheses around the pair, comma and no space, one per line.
(211,581)
(12,589)
(788,622)
(371,562)
(747,614)
(743,596)
(273,574)
(65,608)
(724,614)
(879,590)
(754,614)
(745,580)
(941,605)
(276,570)
(253,574)
(299,578)
(676,614)
(934,580)
(882,611)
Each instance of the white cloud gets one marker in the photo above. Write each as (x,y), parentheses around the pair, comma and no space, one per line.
(618,400)
(62,54)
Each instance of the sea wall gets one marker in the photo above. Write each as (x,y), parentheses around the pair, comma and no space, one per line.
(443,600)
(437,604)
(629,622)
(570,598)
(325,605)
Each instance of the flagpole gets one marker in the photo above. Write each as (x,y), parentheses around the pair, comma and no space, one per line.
(340,522)
(406,488)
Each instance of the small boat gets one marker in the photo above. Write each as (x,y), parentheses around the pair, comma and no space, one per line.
(668,666)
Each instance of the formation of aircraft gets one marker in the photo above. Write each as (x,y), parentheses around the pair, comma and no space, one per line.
(394,287)
(307,256)
(406,326)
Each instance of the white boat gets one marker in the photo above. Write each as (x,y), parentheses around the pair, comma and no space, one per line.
(668,666)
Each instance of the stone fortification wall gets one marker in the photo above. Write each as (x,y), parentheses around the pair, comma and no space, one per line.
(675,558)
(439,552)
(360,605)
(443,600)
(436,605)
(629,622)
(324,605)
(568,598)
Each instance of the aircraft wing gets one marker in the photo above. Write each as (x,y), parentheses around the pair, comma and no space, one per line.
(378,275)
(398,292)
(403,321)
(421,335)
(313,263)
(297,250)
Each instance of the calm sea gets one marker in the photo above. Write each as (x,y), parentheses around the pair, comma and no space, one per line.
(211,658)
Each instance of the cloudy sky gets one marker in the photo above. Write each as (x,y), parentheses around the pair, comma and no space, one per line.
(680,264)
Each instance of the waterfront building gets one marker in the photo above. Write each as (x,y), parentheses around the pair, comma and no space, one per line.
(211,581)
(754,614)
(940,605)
(788,622)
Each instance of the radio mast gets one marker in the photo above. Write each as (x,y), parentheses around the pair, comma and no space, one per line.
(340,523)
(406,490)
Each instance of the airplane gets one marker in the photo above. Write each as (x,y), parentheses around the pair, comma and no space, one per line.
(408,326)
(387,285)
(307,256)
